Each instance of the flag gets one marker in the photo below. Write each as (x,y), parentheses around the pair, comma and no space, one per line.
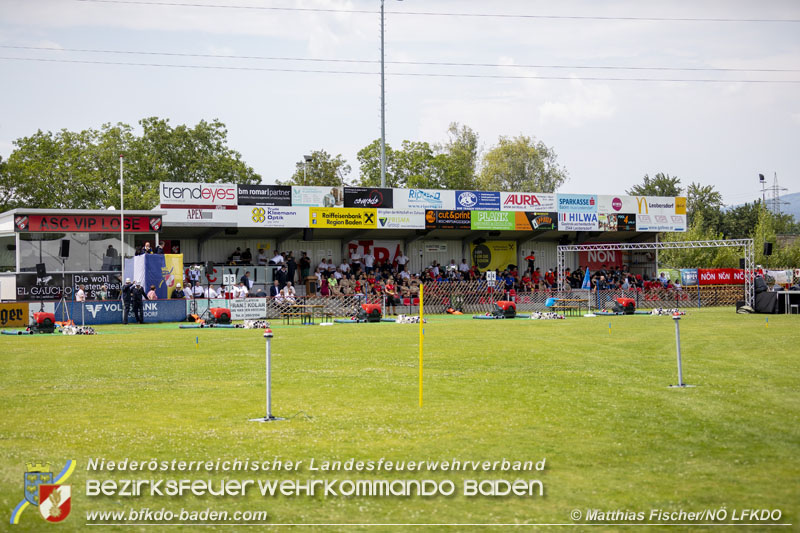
(587,284)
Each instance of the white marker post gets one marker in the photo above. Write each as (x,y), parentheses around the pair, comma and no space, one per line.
(680,384)
(269,417)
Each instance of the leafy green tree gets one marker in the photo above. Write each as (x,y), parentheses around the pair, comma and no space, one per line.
(521,164)
(659,185)
(706,201)
(459,157)
(699,230)
(322,170)
(80,170)
(738,222)
(369,159)
(416,166)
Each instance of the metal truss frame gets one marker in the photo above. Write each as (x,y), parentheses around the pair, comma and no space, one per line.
(747,244)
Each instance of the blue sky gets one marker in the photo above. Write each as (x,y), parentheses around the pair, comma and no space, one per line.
(607,134)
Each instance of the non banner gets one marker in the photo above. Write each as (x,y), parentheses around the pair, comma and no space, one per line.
(382,250)
(720,276)
(493,220)
(265,195)
(535,221)
(197,195)
(478,200)
(493,255)
(424,199)
(525,201)
(401,219)
(368,197)
(448,219)
(86,223)
(273,217)
(13,314)
(597,259)
(317,196)
(343,218)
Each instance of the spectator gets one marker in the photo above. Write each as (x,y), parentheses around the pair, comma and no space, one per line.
(246,280)
(127,299)
(277,259)
(261,258)
(151,295)
(275,290)
(197,291)
(402,260)
(291,267)
(323,266)
(247,256)
(344,268)
(463,268)
(178,292)
(289,295)
(240,291)
(160,248)
(355,260)
(236,256)
(102,294)
(80,296)
(146,249)
(390,291)
(369,262)
(282,275)
(137,295)
(111,251)
(305,266)
(210,292)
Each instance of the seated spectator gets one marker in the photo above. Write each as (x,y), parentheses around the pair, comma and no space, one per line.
(236,256)
(151,295)
(178,292)
(277,259)
(261,258)
(247,256)
(240,291)
(275,290)
(289,295)
(324,288)
(211,293)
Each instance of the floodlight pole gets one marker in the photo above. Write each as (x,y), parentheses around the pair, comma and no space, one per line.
(268,417)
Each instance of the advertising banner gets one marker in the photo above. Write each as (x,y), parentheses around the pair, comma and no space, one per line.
(577,203)
(368,197)
(201,217)
(492,255)
(247,308)
(524,201)
(616,222)
(720,276)
(14,315)
(478,200)
(317,196)
(607,204)
(265,195)
(493,220)
(596,259)
(93,282)
(424,199)
(110,312)
(689,277)
(382,250)
(578,222)
(32,287)
(86,223)
(660,213)
(273,217)
(535,221)
(401,219)
(197,195)
(343,218)
(448,219)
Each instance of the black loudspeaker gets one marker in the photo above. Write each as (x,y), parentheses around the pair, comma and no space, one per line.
(767,248)
(741,263)
(63,250)
(210,268)
(41,270)
(308,234)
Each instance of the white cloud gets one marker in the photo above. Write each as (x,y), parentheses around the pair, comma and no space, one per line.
(580,104)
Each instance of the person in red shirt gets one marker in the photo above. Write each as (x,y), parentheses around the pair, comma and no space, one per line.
(536,278)
(526,282)
(390,291)
(550,279)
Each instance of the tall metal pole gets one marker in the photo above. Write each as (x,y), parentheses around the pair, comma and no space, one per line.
(268,417)
(121,233)
(383,111)
(678,344)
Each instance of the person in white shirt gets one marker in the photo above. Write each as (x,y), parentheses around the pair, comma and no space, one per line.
(197,291)
(369,261)
(288,293)
(211,293)
(404,274)
(338,274)
(277,260)
(323,265)
(463,267)
(344,267)
(80,296)
(435,269)
(261,258)
(401,262)
(240,291)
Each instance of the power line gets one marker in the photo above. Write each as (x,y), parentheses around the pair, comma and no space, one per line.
(375,61)
(439,14)
(408,74)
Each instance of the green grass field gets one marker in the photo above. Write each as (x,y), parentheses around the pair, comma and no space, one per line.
(594,403)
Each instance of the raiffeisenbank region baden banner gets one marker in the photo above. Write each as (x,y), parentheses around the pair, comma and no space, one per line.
(577,212)
(343,217)
(493,255)
(424,199)
(198,203)
(660,213)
